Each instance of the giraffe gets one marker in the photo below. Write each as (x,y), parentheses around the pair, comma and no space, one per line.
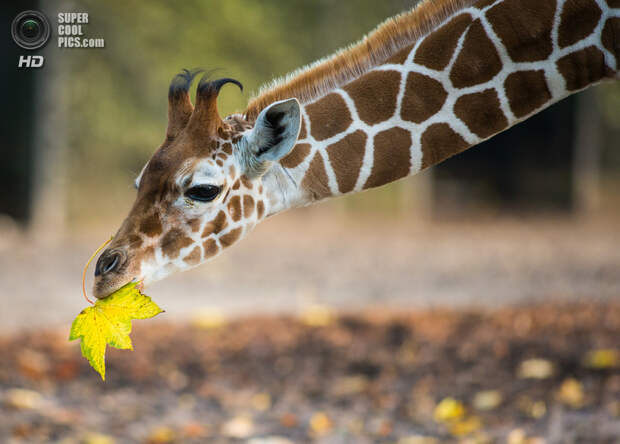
(425,85)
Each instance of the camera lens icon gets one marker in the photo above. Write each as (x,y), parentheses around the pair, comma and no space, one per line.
(30,29)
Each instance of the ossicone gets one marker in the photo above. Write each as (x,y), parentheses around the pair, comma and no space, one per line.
(180,107)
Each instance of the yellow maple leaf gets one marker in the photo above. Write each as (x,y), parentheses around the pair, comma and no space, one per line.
(108,321)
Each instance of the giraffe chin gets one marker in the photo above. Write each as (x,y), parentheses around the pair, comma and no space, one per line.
(103,288)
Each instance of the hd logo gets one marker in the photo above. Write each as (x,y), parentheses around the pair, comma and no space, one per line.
(35,61)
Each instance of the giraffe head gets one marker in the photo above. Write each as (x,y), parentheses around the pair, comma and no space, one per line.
(202,190)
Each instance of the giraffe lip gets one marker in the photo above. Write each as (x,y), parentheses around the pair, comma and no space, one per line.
(115,288)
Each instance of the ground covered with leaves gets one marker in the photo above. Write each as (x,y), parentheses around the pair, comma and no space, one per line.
(529,375)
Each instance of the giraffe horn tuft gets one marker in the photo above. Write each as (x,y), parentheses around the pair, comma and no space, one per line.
(205,117)
(179,104)
(206,86)
(181,83)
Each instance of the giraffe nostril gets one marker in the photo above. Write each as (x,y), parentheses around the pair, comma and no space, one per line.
(107,262)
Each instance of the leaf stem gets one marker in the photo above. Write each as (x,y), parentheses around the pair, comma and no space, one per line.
(101,247)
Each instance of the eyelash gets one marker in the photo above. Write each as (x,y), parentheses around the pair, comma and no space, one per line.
(203,193)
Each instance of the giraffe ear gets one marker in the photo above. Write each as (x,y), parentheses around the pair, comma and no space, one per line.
(273,136)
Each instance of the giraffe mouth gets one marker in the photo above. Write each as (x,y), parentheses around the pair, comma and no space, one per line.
(103,288)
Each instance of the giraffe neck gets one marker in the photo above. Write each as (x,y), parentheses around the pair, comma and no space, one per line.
(485,68)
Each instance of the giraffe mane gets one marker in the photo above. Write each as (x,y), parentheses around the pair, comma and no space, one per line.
(318,78)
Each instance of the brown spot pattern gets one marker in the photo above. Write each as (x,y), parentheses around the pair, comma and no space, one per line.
(234,208)
(134,241)
(392,157)
(583,67)
(346,157)
(524,26)
(577,21)
(478,61)
(526,91)
(481,113)
(173,241)
(328,116)
(315,180)
(296,155)
(151,225)
(436,50)
(230,238)
(611,36)
(439,142)
(302,130)
(374,95)
(227,148)
(194,224)
(481,4)
(194,257)
(216,225)
(236,185)
(401,56)
(248,205)
(210,247)
(246,182)
(423,98)
(260,209)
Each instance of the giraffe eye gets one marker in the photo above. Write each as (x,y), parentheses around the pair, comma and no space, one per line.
(203,193)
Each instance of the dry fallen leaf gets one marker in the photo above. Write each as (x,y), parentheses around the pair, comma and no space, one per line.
(571,393)
(240,427)
(108,321)
(23,399)
(534,409)
(518,436)
(449,409)
(261,401)
(487,399)
(602,358)
(317,315)
(288,420)
(161,435)
(465,426)
(536,368)
(98,438)
(349,385)
(320,423)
